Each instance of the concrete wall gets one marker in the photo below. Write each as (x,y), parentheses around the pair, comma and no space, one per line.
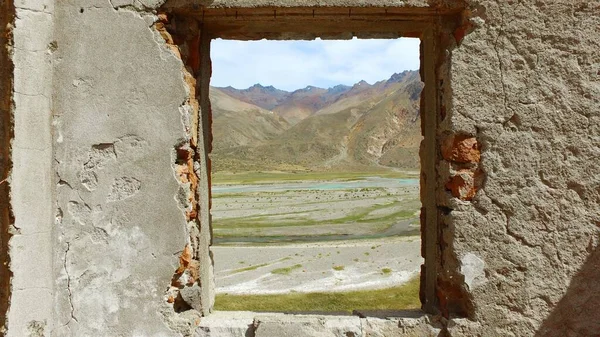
(109,173)
(121,120)
(525,84)
(31,177)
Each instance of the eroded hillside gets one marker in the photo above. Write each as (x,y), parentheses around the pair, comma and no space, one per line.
(358,127)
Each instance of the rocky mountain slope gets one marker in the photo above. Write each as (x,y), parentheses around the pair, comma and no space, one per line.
(293,106)
(348,128)
(237,123)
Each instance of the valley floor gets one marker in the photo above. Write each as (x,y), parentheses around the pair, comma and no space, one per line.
(317,267)
(322,235)
(318,210)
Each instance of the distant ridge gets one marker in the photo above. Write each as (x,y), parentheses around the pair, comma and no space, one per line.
(364,125)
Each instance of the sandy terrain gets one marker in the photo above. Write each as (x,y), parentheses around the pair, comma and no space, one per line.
(249,270)
(316,236)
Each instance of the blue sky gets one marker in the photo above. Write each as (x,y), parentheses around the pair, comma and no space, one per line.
(292,65)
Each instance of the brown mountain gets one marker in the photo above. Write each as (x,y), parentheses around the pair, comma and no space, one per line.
(341,128)
(303,103)
(293,106)
(237,123)
(264,97)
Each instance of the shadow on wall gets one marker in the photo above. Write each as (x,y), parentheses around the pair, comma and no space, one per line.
(578,312)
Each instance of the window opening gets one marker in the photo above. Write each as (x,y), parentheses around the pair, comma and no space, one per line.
(315,174)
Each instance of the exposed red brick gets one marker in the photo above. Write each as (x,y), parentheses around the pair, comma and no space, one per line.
(461,149)
(463,184)
(186,47)
(182,173)
(189,267)
(459,34)
(184,259)
(160,26)
(163,17)
(194,271)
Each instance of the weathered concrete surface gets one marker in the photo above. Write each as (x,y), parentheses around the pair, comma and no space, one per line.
(226,324)
(425,326)
(307,326)
(524,83)
(119,119)
(31,186)
(243,324)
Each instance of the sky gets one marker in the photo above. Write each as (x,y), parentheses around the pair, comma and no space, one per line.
(291,65)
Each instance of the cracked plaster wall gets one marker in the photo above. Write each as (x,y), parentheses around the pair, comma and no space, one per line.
(94,196)
(120,116)
(31,174)
(525,83)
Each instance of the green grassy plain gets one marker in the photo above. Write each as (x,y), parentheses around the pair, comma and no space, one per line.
(402,297)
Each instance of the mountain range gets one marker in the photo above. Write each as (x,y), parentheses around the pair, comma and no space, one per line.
(357,127)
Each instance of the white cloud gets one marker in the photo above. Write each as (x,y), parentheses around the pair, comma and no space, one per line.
(291,65)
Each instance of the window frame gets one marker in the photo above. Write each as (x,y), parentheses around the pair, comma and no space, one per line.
(307,23)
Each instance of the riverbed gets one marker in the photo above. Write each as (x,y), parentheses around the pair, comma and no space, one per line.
(312,236)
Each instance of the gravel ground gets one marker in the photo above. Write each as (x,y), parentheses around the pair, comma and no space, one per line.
(375,207)
(317,267)
(347,235)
